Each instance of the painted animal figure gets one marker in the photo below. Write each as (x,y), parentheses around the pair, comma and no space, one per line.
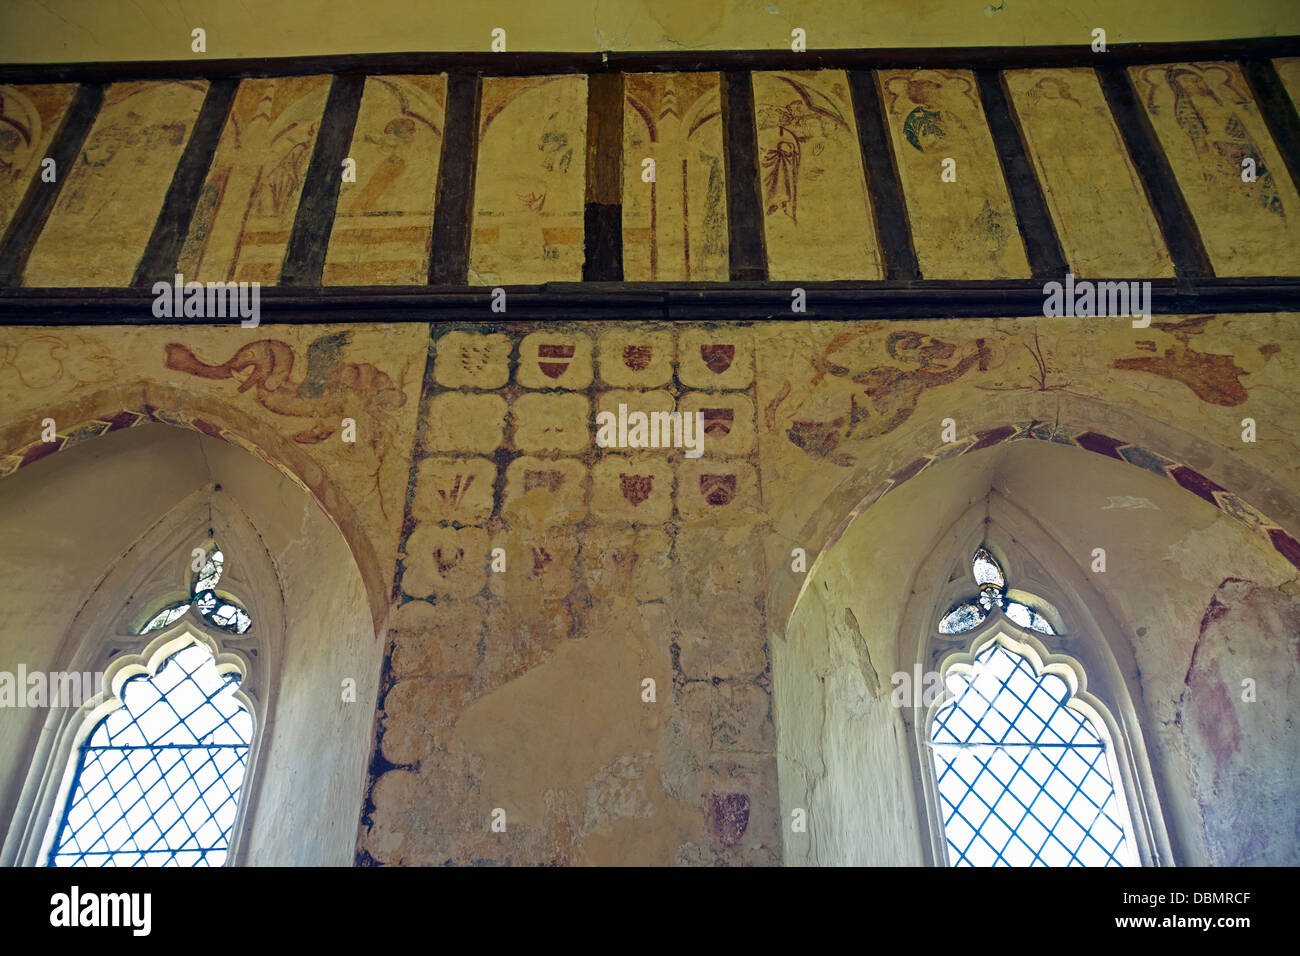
(322,393)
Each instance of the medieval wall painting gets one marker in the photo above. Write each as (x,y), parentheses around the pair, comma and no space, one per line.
(312,385)
(289,389)
(529,188)
(827,392)
(1093,191)
(383,224)
(816,215)
(246,210)
(1208,123)
(1180,350)
(29,117)
(592,540)
(638,547)
(528,225)
(674,228)
(108,206)
(1248,630)
(303,382)
(859,390)
(965,229)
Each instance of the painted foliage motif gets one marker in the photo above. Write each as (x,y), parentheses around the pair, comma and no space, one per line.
(1093,191)
(383,225)
(45,359)
(246,210)
(110,202)
(1208,124)
(963,229)
(816,216)
(29,116)
(674,227)
(529,187)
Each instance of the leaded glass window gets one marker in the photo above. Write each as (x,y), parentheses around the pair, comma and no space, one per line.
(1023,778)
(221,612)
(970,613)
(158,779)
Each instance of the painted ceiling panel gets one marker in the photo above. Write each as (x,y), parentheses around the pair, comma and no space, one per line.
(246,211)
(529,188)
(384,220)
(674,228)
(107,208)
(29,118)
(1208,123)
(816,215)
(1093,191)
(966,228)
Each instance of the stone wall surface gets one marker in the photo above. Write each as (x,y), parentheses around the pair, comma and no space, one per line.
(513,679)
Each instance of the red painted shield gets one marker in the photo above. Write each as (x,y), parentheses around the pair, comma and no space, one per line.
(636,488)
(728,816)
(717,421)
(717,489)
(717,357)
(554,369)
(637,357)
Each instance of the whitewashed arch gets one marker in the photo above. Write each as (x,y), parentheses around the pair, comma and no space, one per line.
(1088,653)
(104,638)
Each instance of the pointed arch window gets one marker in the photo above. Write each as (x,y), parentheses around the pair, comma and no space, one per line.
(1025,769)
(157,777)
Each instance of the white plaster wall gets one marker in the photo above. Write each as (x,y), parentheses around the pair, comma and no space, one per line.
(65,520)
(1225,769)
(1168,555)
(315,770)
(843,750)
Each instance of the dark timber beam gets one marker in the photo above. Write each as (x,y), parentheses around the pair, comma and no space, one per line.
(453,205)
(32,213)
(889,211)
(1042,244)
(1278,110)
(164,248)
(746,245)
(603,212)
(304,257)
(1181,234)
(645,302)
